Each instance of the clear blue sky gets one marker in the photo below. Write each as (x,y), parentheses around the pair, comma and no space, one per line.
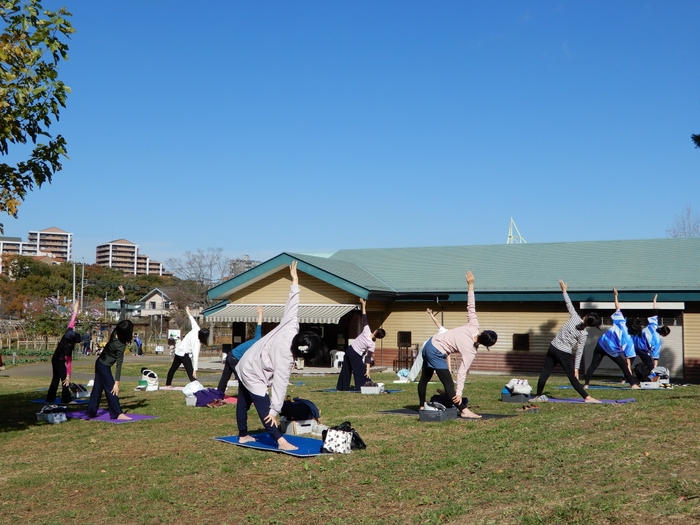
(262,127)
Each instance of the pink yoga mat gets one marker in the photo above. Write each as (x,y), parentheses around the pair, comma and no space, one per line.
(103,415)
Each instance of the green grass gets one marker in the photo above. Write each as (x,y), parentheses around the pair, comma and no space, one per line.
(569,464)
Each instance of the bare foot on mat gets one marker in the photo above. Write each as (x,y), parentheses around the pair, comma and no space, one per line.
(466,413)
(590,399)
(246,439)
(123,417)
(283,444)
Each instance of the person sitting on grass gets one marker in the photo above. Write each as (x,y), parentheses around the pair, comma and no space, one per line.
(616,344)
(464,340)
(573,334)
(268,363)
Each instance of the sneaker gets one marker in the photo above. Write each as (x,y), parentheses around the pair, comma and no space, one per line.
(540,398)
(428,407)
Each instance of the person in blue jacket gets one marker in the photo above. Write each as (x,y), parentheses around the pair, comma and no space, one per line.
(616,344)
(235,355)
(647,341)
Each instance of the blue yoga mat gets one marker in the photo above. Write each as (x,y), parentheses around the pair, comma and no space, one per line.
(58,402)
(306,447)
(579,400)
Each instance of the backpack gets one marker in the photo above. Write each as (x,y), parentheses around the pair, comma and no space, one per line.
(642,372)
(299,409)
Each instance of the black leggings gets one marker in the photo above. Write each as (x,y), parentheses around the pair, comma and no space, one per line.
(598,355)
(445,378)
(186,362)
(229,368)
(554,356)
(59,375)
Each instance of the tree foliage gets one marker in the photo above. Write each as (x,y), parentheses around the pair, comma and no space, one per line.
(31,46)
(696,140)
(686,224)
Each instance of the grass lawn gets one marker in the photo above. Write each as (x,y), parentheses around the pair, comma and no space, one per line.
(569,464)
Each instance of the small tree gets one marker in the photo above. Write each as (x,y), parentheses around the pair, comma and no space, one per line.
(199,271)
(696,140)
(31,95)
(686,224)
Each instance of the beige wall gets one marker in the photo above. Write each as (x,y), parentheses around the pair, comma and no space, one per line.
(691,335)
(274,289)
(541,324)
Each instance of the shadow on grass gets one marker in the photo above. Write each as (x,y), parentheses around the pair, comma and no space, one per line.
(17,412)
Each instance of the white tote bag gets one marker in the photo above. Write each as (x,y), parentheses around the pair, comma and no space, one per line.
(337,441)
(191,388)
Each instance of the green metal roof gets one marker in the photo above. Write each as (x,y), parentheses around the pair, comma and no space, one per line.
(512,271)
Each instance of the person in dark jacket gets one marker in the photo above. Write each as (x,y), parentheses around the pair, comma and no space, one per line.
(112,353)
(61,362)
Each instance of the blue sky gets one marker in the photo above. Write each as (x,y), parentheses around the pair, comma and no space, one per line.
(262,127)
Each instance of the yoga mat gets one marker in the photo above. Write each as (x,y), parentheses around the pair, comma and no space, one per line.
(171,388)
(414,412)
(57,402)
(231,400)
(307,447)
(579,400)
(103,415)
(333,390)
(600,387)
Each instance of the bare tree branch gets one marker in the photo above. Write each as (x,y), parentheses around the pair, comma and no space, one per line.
(686,224)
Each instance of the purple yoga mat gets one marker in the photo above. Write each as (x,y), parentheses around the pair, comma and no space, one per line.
(103,415)
(579,400)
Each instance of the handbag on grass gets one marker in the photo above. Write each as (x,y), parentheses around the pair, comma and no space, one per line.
(337,441)
(356,442)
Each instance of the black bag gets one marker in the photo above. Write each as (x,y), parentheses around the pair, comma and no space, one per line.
(299,409)
(356,442)
(642,372)
(443,399)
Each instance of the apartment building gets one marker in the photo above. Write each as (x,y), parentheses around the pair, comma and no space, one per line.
(48,244)
(124,255)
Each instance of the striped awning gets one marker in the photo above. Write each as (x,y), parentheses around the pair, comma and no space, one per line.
(272,313)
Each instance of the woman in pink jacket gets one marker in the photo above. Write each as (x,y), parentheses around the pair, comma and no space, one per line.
(463,340)
(268,363)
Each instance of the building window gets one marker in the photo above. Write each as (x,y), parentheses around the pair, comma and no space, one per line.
(152,305)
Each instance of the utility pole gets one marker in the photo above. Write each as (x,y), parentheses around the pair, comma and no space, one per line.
(73,282)
(82,283)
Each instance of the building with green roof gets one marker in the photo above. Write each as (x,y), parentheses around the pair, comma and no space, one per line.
(517,295)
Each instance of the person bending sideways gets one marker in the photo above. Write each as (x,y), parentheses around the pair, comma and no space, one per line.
(616,344)
(463,340)
(572,335)
(268,363)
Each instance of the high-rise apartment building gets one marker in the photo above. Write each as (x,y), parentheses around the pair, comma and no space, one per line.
(51,242)
(124,255)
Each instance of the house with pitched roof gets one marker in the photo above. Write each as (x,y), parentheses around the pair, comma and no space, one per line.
(517,295)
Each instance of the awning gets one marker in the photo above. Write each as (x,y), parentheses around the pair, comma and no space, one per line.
(272,313)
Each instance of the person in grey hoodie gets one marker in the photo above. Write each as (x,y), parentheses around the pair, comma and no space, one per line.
(268,363)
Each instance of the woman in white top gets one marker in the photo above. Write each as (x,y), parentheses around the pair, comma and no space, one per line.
(187,351)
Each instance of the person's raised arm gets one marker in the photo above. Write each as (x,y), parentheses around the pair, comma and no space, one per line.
(617,303)
(432,316)
(122,303)
(567,301)
(293,272)
(76,307)
(471,302)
